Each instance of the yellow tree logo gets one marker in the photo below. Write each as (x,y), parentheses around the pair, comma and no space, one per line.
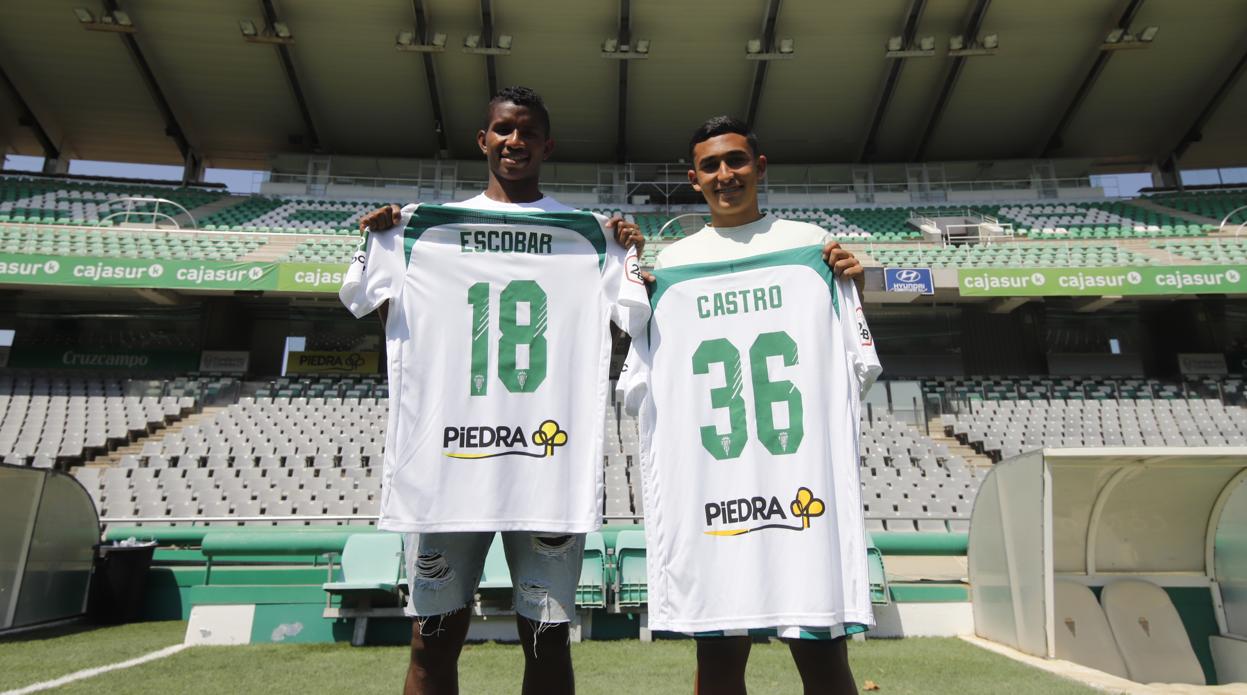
(550,436)
(806,505)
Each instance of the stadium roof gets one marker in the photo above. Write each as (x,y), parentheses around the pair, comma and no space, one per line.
(1050,89)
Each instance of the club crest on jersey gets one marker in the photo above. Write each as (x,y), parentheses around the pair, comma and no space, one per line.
(548,435)
(758,513)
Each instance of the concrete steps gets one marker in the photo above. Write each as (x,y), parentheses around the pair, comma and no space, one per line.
(955,447)
(1181,214)
(203,211)
(114,457)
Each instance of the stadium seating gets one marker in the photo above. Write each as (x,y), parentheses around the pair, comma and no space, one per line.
(279,215)
(324,251)
(1207,250)
(43,419)
(65,202)
(1214,205)
(631,587)
(258,457)
(1002,429)
(1098,220)
(1039,255)
(118,243)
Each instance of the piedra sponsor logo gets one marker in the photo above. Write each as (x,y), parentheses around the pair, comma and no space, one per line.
(349,362)
(548,435)
(759,513)
(235,276)
(29,269)
(69,358)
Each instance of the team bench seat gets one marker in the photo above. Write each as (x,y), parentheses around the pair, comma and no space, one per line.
(372,569)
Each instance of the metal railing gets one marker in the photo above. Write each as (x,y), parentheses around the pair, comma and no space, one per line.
(670,177)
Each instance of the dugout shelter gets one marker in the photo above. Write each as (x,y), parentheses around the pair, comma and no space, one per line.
(1132,561)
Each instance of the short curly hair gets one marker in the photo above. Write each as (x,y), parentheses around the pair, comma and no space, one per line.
(520,96)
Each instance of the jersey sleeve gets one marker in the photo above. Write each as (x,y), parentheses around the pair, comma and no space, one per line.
(858,339)
(625,288)
(633,382)
(377,269)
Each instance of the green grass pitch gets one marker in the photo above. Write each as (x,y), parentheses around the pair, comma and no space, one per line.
(900,667)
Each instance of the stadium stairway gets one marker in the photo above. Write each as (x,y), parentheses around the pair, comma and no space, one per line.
(1145,247)
(277,248)
(117,457)
(940,435)
(1182,214)
(203,211)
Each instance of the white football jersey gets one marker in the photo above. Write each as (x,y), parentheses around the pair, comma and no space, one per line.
(755,370)
(498,347)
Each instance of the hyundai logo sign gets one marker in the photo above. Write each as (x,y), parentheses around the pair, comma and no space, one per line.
(916,280)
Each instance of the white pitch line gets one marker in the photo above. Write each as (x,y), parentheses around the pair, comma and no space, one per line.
(91,672)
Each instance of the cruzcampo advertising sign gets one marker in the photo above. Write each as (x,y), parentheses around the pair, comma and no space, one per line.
(88,358)
(1099,282)
(87,271)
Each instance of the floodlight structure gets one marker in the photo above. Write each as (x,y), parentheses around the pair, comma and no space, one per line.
(614,49)
(501,47)
(923,47)
(406,41)
(986,45)
(1122,38)
(277,34)
(117,21)
(784,49)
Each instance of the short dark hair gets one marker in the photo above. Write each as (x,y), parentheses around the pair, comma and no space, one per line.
(520,96)
(721,125)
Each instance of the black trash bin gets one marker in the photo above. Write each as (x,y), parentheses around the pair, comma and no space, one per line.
(120,581)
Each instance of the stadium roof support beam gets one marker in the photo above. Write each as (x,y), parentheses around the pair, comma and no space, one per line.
(487,37)
(430,77)
(973,25)
(1006,305)
(292,78)
(1054,140)
(27,118)
(759,70)
(621,126)
(1094,304)
(193,164)
(1196,132)
(908,32)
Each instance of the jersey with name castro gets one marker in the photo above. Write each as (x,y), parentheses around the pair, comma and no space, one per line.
(753,372)
(498,348)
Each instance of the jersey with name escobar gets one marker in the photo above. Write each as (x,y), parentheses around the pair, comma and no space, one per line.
(753,372)
(498,348)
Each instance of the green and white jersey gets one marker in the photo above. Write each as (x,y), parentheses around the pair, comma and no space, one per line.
(753,372)
(498,349)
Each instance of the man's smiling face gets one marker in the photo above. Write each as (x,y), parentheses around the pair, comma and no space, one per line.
(726,172)
(515,142)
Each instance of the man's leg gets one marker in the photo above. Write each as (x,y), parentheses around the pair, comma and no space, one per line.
(545,569)
(434,667)
(721,665)
(443,571)
(824,666)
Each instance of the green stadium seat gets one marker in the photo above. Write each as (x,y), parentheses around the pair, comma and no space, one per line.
(631,585)
(591,588)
